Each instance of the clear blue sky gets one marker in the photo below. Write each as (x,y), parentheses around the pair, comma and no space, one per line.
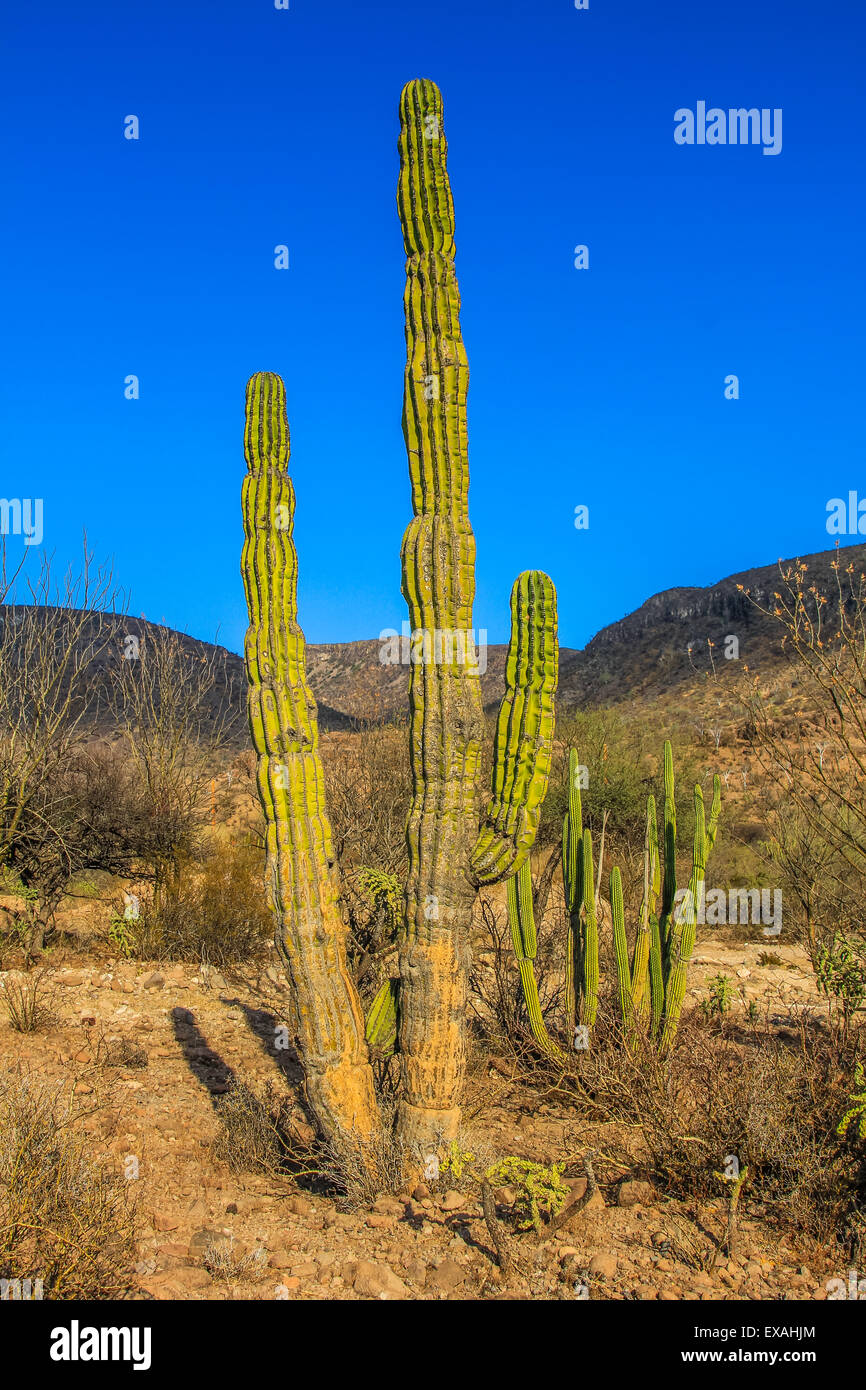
(603,387)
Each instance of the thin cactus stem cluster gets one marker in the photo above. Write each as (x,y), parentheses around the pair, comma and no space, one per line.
(651,984)
(452,849)
(450,854)
(303,875)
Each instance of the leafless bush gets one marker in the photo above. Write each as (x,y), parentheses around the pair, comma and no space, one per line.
(64,1218)
(27,1000)
(215,913)
(771,1103)
(255,1133)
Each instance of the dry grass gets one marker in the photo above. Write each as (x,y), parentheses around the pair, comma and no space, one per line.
(223,1260)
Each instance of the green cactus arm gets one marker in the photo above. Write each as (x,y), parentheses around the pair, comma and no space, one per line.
(656,974)
(589,937)
(669,885)
(683,929)
(648,910)
(623,974)
(521,920)
(572,835)
(310,934)
(523,744)
(381,1030)
(715,811)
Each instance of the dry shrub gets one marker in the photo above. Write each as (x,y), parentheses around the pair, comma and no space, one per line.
(122,1052)
(64,1218)
(215,913)
(28,1001)
(260,1131)
(224,1260)
(772,1102)
(362,1170)
(255,1133)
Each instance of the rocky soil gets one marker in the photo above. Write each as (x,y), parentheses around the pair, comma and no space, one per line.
(162,1045)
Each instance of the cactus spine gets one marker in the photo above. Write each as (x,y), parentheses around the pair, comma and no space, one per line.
(304,885)
(448,856)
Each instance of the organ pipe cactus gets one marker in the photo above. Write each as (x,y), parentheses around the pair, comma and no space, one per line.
(651,988)
(450,853)
(303,875)
(651,985)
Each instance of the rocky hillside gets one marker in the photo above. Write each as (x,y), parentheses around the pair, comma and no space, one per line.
(643,655)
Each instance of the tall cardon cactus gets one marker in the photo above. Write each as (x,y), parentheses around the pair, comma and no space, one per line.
(453,848)
(304,882)
(450,853)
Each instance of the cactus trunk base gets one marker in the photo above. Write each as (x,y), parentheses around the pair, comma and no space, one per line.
(433,1003)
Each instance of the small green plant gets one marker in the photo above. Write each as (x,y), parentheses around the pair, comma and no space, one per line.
(384,893)
(856,1112)
(457,1161)
(121,934)
(841,976)
(721,989)
(539,1190)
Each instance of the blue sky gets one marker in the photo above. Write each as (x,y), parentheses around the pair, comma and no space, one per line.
(602,387)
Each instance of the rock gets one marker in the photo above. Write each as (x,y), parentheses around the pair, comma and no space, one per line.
(161,1222)
(204,1239)
(380,1223)
(175,1248)
(152,981)
(378,1281)
(299,1206)
(420,1192)
(416,1273)
(603,1264)
(453,1201)
(305,1271)
(506,1196)
(291,1284)
(646,1292)
(671,1295)
(389,1206)
(634,1194)
(72,978)
(446,1277)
